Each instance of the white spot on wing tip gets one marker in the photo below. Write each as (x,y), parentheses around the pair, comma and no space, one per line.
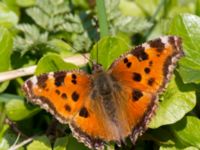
(146,45)
(34,80)
(164,39)
(50,75)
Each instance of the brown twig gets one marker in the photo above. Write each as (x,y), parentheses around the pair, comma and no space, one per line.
(9,75)
(14,127)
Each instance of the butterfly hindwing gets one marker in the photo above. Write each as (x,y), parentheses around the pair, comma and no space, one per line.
(143,72)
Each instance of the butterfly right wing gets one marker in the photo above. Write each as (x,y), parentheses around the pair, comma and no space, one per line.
(143,74)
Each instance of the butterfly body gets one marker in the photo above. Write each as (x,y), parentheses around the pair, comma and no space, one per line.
(109,105)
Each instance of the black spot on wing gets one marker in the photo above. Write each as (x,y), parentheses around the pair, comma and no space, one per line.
(157,43)
(136,94)
(67,107)
(147,70)
(74,76)
(84,112)
(140,53)
(64,95)
(74,81)
(59,78)
(57,92)
(128,65)
(75,96)
(137,76)
(41,80)
(151,81)
(125,60)
(150,63)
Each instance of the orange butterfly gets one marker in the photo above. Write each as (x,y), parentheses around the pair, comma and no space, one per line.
(109,105)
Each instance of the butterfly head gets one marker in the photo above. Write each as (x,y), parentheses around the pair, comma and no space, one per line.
(97,68)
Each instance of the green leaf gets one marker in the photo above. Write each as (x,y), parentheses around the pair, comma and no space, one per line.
(53,62)
(107,50)
(6,97)
(121,23)
(164,147)
(187,131)
(63,48)
(127,8)
(8,18)
(61,143)
(198,7)
(2,131)
(187,26)
(40,143)
(6,43)
(177,101)
(25,3)
(148,7)
(17,109)
(74,144)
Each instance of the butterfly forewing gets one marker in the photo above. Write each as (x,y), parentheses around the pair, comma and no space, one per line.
(61,93)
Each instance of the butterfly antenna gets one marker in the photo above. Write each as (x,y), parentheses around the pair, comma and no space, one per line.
(76,50)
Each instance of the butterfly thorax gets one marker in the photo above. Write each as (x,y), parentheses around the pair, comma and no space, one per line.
(103,91)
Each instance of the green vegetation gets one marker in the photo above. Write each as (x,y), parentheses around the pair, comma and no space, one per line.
(44,32)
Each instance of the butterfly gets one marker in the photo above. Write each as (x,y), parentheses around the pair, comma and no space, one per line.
(109,105)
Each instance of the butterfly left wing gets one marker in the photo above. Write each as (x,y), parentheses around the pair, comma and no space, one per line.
(61,93)
(67,96)
(143,73)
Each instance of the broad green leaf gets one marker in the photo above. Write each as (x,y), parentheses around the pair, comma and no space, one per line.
(198,7)
(148,7)
(53,62)
(7,17)
(176,148)
(74,144)
(63,48)
(187,26)
(6,43)
(2,118)
(187,131)
(131,25)
(61,143)
(12,5)
(4,145)
(127,8)
(40,143)
(17,109)
(2,131)
(157,136)
(178,100)
(25,3)
(6,97)
(107,50)
(110,147)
